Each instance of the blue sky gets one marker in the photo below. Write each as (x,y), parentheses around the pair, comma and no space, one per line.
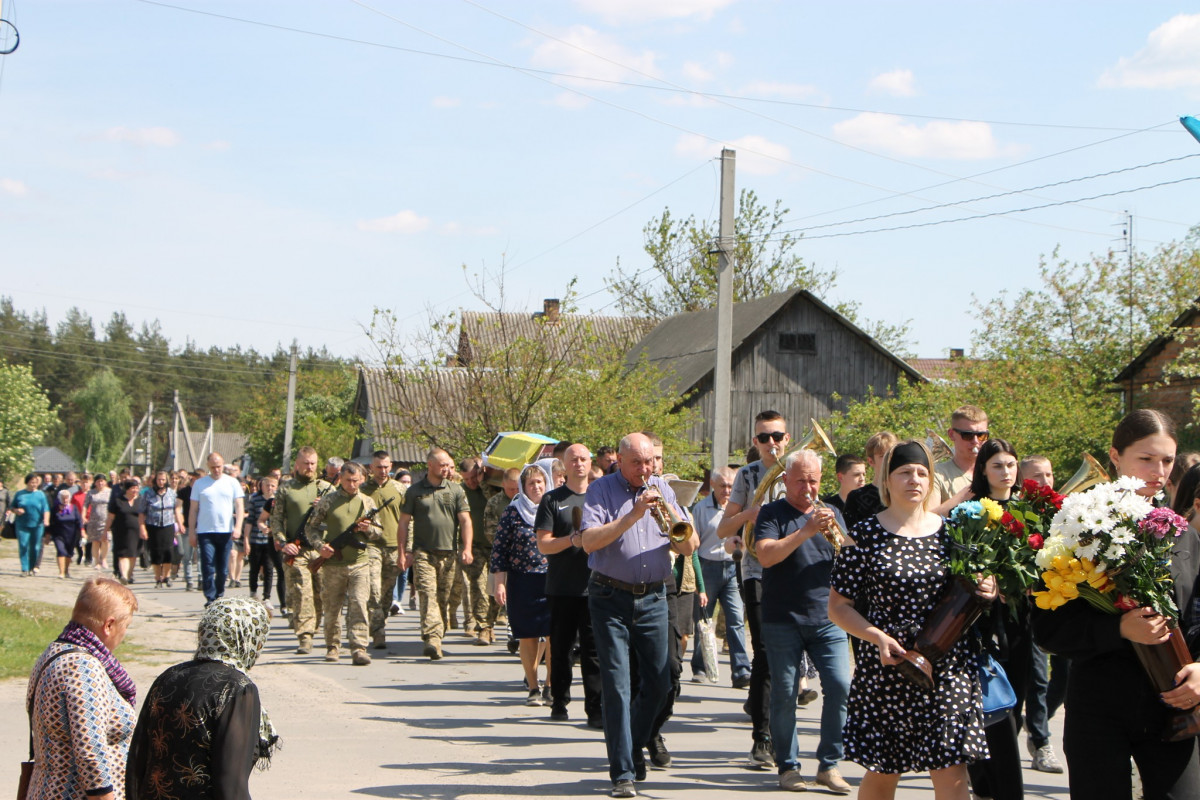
(247,184)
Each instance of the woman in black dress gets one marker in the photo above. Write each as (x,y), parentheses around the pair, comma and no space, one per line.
(892,725)
(1113,711)
(122,526)
(202,729)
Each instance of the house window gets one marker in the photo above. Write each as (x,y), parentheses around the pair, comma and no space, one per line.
(798,343)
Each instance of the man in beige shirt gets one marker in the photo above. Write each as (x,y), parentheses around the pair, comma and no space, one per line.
(952,479)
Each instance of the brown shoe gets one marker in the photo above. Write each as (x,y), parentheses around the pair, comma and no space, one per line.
(791,781)
(332,654)
(832,780)
(305,646)
(359,658)
(433,649)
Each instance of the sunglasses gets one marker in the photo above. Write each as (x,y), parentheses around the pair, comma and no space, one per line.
(763,438)
(980,435)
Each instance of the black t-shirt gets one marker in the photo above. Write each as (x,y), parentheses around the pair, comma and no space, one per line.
(797,588)
(185,494)
(567,574)
(862,503)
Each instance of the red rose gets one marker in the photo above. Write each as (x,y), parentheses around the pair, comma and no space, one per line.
(1035,541)
(1124,603)
(1018,528)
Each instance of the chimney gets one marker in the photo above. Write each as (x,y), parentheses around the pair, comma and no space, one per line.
(550,309)
(956,352)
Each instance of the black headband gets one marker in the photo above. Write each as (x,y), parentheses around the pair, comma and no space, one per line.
(905,454)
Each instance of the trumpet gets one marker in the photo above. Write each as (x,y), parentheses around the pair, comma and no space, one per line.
(833,531)
(672,526)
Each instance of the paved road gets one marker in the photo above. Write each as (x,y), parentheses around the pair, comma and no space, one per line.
(406,727)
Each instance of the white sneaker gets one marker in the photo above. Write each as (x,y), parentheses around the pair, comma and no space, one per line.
(267,603)
(1045,760)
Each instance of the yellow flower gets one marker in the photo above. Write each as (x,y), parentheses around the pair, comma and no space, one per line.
(992,509)
(1059,591)
(1097,578)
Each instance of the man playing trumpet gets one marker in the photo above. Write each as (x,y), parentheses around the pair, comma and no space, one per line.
(792,540)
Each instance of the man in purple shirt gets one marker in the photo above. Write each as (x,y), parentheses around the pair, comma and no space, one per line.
(630,559)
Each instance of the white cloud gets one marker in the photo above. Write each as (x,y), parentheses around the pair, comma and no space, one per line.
(619,12)
(144,137)
(1168,61)
(937,139)
(404,222)
(756,155)
(446,102)
(586,51)
(898,83)
(790,91)
(218,145)
(13,186)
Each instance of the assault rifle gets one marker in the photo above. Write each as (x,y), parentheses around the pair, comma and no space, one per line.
(299,540)
(349,537)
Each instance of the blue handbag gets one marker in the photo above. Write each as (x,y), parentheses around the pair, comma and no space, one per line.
(998,695)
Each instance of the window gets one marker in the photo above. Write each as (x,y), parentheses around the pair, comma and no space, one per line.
(798,343)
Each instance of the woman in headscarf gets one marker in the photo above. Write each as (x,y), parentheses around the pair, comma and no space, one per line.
(66,526)
(520,570)
(81,700)
(202,729)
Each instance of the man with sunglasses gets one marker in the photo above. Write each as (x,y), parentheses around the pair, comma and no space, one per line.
(952,478)
(771,439)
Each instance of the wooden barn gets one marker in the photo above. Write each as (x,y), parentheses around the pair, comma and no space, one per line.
(1148,382)
(791,353)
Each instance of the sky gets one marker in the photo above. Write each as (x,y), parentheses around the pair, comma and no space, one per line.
(265,171)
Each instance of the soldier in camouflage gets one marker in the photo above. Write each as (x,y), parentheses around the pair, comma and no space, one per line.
(382,556)
(292,503)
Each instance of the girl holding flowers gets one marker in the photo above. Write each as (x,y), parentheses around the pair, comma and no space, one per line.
(1113,710)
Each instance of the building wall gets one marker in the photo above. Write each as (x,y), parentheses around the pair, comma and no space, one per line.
(1174,398)
(799,386)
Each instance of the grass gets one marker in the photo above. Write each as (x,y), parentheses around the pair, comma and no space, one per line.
(28,626)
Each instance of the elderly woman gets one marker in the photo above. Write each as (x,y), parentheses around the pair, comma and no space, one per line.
(122,528)
(31,515)
(202,729)
(520,570)
(81,700)
(66,525)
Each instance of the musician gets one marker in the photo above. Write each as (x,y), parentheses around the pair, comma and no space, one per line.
(772,439)
(292,504)
(630,559)
(346,578)
(952,478)
(790,537)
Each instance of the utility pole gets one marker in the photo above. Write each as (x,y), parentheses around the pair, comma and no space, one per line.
(722,372)
(150,438)
(291,409)
(1129,261)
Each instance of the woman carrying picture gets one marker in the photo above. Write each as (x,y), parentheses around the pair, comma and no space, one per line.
(520,570)
(894,726)
(1113,711)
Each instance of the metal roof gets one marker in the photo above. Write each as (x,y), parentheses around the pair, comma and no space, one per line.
(482,332)
(380,390)
(51,459)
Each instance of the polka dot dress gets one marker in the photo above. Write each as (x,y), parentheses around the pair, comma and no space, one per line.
(893,725)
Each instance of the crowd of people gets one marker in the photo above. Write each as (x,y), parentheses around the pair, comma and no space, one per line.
(581,558)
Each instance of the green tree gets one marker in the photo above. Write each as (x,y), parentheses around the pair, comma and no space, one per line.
(682,275)
(25,418)
(325,417)
(103,408)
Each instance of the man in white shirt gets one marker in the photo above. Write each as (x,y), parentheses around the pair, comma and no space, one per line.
(217,510)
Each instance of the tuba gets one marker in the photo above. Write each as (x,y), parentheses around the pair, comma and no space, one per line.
(816,440)
(1088,475)
(938,447)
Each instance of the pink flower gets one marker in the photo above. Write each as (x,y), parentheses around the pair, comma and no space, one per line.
(1162,521)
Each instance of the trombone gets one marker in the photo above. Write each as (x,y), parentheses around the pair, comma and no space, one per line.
(817,440)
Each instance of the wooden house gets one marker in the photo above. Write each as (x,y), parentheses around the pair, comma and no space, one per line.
(1148,382)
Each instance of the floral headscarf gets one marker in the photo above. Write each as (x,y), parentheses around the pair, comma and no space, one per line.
(233,631)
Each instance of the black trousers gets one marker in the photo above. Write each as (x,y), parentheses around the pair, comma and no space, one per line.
(266,557)
(760,672)
(570,618)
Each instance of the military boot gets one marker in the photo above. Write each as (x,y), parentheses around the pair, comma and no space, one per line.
(305,646)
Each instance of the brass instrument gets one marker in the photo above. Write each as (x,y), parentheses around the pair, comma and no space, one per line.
(833,532)
(1088,475)
(674,528)
(938,447)
(816,440)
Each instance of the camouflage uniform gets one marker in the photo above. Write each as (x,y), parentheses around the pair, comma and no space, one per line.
(482,543)
(346,578)
(434,511)
(382,557)
(292,501)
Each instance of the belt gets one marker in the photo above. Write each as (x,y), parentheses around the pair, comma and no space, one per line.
(632,588)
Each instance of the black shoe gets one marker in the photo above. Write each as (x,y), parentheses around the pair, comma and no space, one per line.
(659,755)
(559,714)
(513,645)
(762,754)
(596,722)
(741,683)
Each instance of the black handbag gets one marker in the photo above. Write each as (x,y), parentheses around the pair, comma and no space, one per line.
(27,766)
(998,695)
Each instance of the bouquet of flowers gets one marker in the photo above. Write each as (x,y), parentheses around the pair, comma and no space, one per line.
(1110,546)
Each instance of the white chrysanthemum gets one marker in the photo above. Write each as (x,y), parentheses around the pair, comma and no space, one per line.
(1089,550)
(1128,483)
(1133,506)
(1122,536)
(1115,552)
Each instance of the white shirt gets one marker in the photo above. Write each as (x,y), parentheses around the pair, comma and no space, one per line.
(707,516)
(216,499)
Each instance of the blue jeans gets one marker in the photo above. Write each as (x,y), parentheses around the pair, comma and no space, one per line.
(29,546)
(186,554)
(829,650)
(721,583)
(622,621)
(214,563)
